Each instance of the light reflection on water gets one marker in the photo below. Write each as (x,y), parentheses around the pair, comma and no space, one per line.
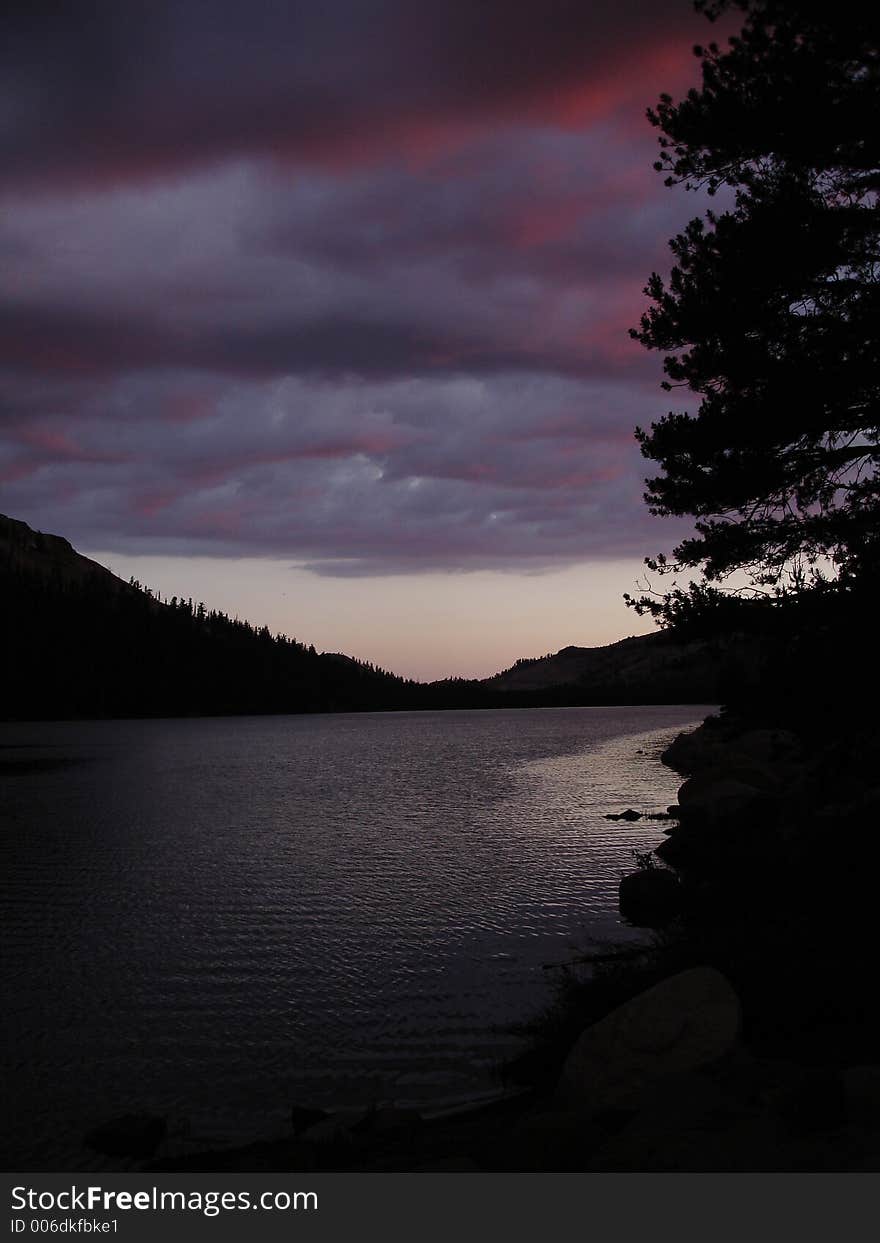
(214,918)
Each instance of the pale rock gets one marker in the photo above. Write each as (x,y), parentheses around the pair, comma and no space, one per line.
(861,1090)
(680,1024)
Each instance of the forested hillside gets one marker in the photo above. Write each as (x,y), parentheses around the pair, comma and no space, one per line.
(77,641)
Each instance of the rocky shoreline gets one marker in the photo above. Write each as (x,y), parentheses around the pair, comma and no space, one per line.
(744,1037)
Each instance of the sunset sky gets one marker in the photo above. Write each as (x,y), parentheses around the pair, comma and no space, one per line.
(318,311)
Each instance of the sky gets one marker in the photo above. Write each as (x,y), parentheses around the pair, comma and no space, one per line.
(319,312)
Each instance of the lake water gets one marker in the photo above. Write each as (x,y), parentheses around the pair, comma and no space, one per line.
(212,919)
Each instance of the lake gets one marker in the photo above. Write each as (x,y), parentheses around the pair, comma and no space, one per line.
(213,919)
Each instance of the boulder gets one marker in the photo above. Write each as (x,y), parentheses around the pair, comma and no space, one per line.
(684,845)
(715,1142)
(131,1135)
(676,1116)
(629,814)
(767,745)
(449,1165)
(861,805)
(682,1023)
(304,1116)
(691,752)
(327,1131)
(719,799)
(746,772)
(816,1101)
(680,1097)
(336,1128)
(388,1119)
(713,746)
(724,835)
(554,1140)
(861,1091)
(650,897)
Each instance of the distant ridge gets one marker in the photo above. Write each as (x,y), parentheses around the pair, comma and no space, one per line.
(574,664)
(651,668)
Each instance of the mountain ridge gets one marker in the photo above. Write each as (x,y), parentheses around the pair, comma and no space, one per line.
(79,641)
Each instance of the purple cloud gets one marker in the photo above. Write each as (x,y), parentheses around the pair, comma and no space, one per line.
(332,283)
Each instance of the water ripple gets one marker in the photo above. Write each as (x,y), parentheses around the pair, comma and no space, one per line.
(216,917)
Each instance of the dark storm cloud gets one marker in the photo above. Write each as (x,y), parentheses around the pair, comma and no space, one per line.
(516,264)
(48,341)
(354,478)
(103,89)
(565,206)
(348,283)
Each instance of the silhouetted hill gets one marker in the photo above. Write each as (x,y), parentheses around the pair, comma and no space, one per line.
(26,553)
(653,668)
(78,641)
